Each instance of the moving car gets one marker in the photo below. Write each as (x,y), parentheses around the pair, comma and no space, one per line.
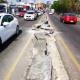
(21,14)
(68,18)
(39,13)
(30,15)
(8,27)
(51,11)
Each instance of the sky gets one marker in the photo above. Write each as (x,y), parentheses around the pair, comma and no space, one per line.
(13,1)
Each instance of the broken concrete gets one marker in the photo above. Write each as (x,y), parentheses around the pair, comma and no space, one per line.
(46,63)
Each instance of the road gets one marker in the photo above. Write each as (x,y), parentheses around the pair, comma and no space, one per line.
(12,53)
(15,56)
(68,39)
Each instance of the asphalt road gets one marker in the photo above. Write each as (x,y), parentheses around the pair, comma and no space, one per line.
(68,43)
(13,51)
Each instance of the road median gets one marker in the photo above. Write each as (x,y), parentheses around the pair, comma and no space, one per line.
(46,62)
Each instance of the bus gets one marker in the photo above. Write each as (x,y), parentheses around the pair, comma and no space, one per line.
(3,8)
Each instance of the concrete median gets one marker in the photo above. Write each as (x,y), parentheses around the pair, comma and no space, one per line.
(46,62)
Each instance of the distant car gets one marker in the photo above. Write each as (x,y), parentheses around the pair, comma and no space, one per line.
(50,13)
(68,18)
(36,11)
(21,14)
(30,15)
(39,12)
(8,27)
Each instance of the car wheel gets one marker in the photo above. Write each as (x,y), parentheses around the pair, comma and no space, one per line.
(36,18)
(25,20)
(0,44)
(17,30)
(74,22)
(63,21)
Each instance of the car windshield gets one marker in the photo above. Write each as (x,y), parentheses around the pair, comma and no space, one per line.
(69,14)
(23,11)
(30,12)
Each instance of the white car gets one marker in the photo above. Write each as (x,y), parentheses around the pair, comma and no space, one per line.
(40,12)
(30,15)
(8,27)
(50,13)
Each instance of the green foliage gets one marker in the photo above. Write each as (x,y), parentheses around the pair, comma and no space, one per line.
(1,1)
(65,5)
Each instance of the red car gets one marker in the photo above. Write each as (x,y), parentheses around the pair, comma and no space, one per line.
(21,14)
(68,18)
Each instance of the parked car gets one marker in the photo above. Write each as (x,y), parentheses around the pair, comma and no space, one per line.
(30,15)
(21,14)
(8,27)
(68,18)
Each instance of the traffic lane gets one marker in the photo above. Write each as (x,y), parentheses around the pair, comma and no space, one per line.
(70,54)
(23,26)
(70,63)
(71,33)
(11,52)
(25,23)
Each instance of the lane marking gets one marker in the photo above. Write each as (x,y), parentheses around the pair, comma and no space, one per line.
(9,74)
(71,55)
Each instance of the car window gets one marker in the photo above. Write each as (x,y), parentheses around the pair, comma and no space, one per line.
(10,18)
(0,17)
(69,14)
(5,19)
(30,12)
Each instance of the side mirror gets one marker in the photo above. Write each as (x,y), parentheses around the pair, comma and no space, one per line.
(5,24)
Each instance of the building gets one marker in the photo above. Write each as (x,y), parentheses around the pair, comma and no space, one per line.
(39,4)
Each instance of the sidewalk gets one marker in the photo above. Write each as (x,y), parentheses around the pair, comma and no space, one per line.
(46,63)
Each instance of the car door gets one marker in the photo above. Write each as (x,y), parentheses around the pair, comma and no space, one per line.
(3,30)
(12,25)
(8,28)
(3,33)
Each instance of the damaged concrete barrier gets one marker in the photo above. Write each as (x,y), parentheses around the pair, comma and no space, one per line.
(41,64)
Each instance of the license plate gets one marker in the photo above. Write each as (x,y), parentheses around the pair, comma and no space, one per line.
(71,21)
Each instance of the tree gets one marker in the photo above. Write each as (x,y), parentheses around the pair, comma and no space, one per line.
(66,5)
(58,6)
(3,1)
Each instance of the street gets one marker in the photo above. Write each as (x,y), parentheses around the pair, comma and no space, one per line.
(68,39)
(39,39)
(16,55)
(13,48)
